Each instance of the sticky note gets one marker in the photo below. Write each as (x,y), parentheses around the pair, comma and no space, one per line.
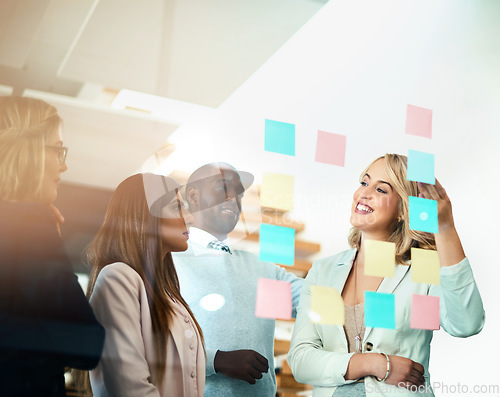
(380,257)
(277,244)
(423,215)
(274,299)
(424,312)
(420,167)
(327,306)
(418,121)
(380,311)
(279,137)
(425,266)
(277,191)
(330,148)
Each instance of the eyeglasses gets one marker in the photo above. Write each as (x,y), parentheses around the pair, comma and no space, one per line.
(62,152)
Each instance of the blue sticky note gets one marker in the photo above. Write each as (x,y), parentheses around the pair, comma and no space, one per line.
(277,244)
(423,215)
(380,310)
(280,137)
(420,167)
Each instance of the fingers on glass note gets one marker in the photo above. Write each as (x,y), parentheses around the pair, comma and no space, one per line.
(274,299)
(380,258)
(277,244)
(420,167)
(380,311)
(279,137)
(327,306)
(330,148)
(418,121)
(277,191)
(423,215)
(424,312)
(425,266)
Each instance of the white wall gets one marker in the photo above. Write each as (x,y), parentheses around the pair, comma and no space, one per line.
(352,69)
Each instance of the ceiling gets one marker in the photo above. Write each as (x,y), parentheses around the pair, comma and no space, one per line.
(79,54)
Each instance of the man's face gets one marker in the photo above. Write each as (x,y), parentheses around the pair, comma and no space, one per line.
(220,202)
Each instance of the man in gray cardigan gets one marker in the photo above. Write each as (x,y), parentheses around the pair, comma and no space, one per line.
(220,284)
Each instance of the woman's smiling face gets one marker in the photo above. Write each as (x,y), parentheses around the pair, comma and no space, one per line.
(375,205)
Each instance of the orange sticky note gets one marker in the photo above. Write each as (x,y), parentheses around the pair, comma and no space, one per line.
(274,299)
(425,267)
(380,257)
(330,148)
(418,121)
(277,191)
(424,312)
(327,306)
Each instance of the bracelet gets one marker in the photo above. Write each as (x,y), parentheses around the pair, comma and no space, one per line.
(388,369)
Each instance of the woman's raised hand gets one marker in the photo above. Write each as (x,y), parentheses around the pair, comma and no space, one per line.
(438,193)
(448,243)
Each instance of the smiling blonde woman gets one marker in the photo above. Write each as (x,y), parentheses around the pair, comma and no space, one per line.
(358,361)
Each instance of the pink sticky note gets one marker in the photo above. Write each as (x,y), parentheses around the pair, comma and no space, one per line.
(274,299)
(424,312)
(330,148)
(419,121)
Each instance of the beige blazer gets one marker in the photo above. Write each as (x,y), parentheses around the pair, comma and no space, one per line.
(120,304)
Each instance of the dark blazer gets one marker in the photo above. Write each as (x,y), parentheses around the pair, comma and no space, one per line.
(46,323)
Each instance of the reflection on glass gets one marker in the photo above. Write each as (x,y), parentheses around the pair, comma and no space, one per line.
(212,302)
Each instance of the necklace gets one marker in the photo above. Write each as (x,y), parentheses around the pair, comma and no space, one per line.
(358,333)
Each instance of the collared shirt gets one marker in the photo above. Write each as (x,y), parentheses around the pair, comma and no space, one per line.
(202,238)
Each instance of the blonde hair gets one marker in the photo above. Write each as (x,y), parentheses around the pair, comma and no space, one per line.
(25,125)
(402,236)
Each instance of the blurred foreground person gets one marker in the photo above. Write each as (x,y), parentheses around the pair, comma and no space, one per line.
(46,323)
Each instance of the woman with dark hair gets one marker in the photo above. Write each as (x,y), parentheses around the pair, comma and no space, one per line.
(46,324)
(358,361)
(154,346)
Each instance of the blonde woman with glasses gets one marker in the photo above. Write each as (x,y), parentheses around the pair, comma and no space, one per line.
(358,361)
(46,324)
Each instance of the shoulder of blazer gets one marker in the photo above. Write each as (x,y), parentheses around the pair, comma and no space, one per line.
(121,273)
(342,258)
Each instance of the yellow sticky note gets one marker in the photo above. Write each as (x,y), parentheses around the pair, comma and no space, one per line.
(327,306)
(380,257)
(425,266)
(277,191)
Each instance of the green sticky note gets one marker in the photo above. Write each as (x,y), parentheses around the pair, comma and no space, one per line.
(279,137)
(423,215)
(380,310)
(420,167)
(277,244)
